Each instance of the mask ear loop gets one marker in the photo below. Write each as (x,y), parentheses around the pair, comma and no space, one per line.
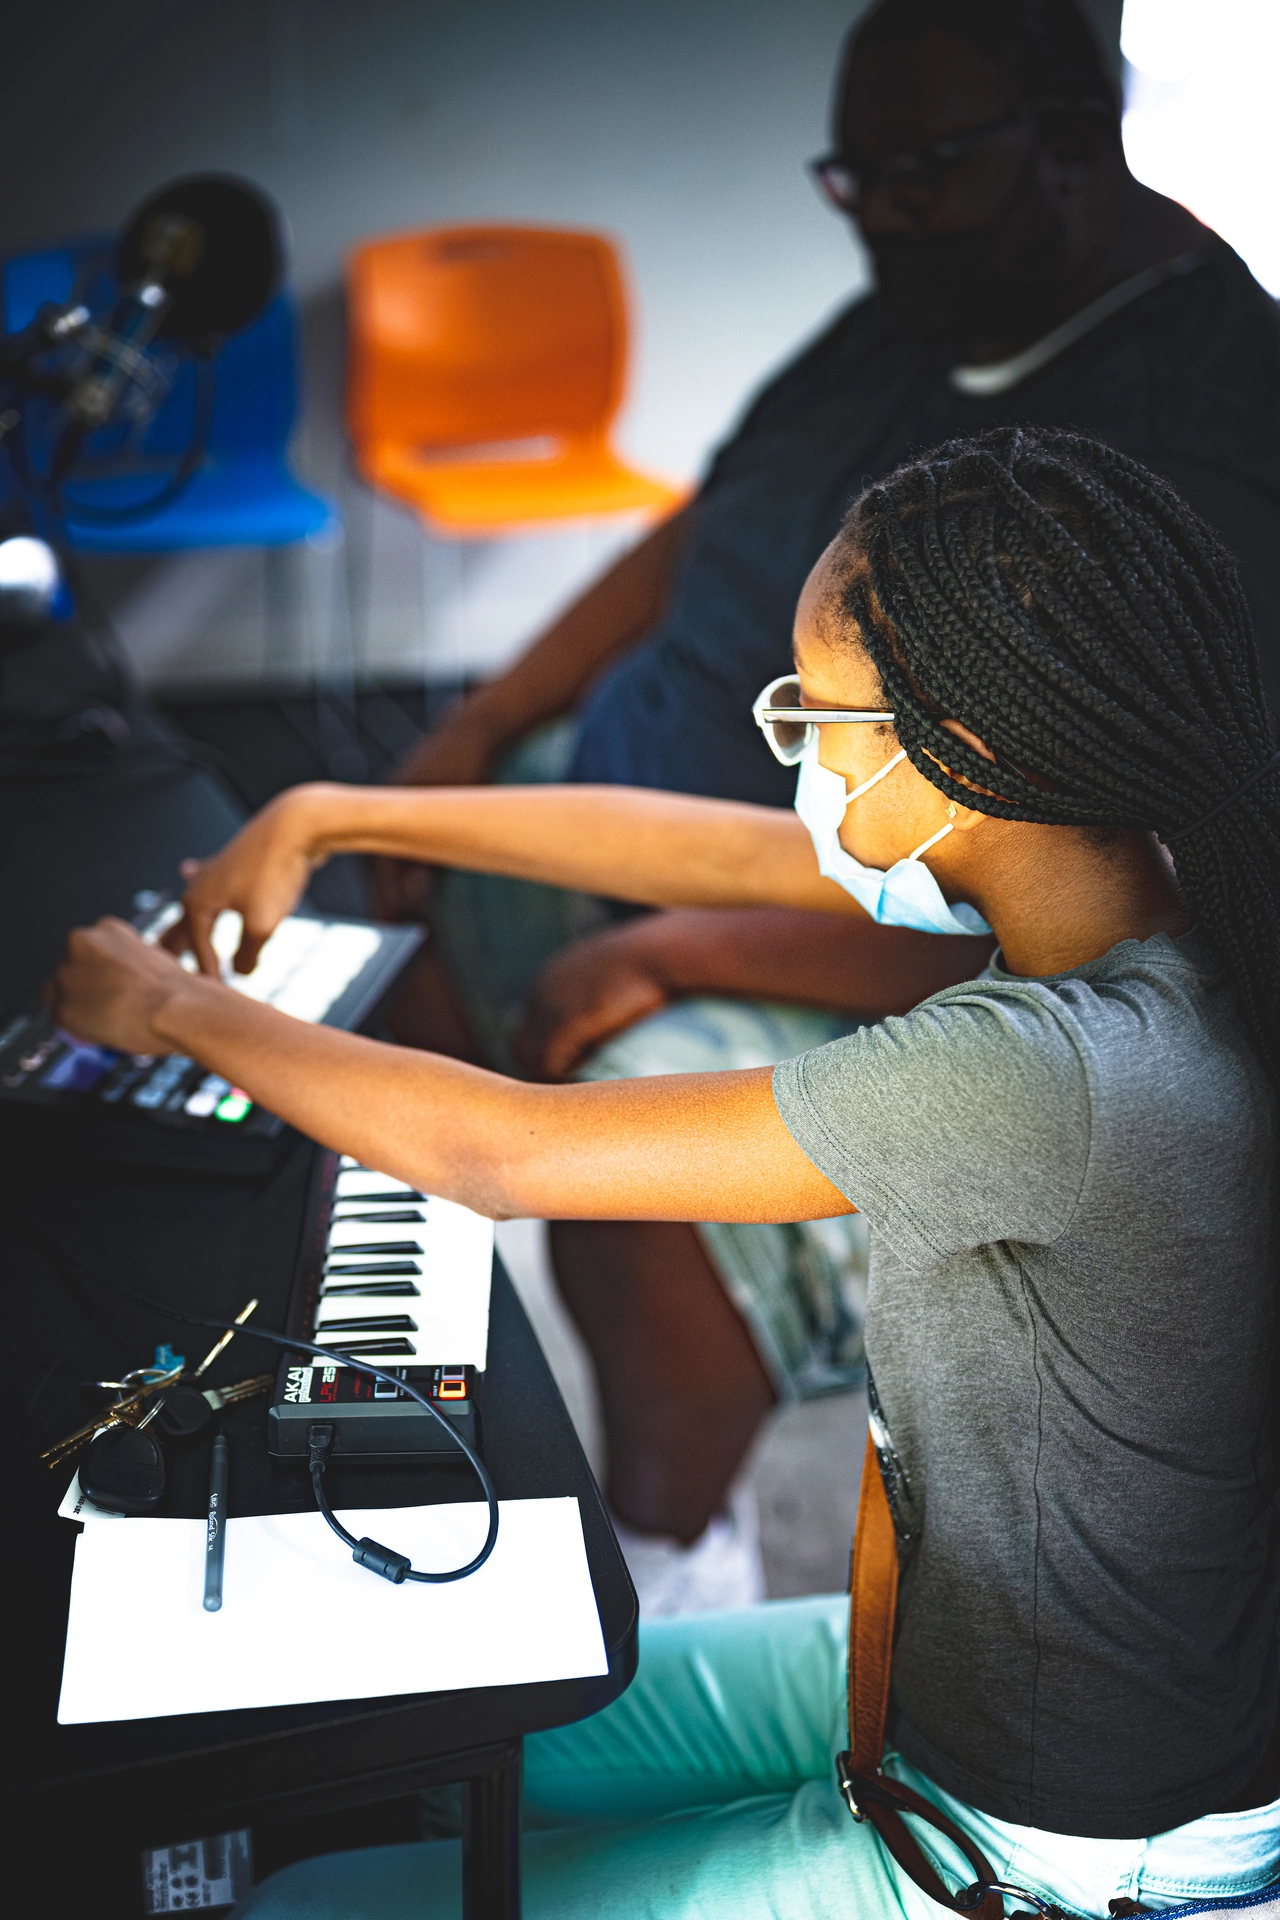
(888,767)
(941,834)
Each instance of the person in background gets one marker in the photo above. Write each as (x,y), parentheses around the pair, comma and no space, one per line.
(1022,274)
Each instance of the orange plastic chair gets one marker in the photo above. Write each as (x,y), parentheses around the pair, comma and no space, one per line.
(486,366)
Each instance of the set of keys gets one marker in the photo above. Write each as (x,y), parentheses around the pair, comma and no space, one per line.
(168,1397)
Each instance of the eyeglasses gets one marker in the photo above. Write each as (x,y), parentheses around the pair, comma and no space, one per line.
(789,727)
(844,181)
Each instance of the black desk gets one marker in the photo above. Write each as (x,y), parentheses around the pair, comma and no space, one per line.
(185,1238)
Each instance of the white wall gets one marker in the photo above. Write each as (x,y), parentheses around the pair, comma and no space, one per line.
(1200,120)
(679,126)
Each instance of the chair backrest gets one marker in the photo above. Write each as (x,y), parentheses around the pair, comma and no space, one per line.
(462,336)
(255,391)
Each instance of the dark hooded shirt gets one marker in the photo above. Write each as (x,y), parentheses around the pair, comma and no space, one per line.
(1185,378)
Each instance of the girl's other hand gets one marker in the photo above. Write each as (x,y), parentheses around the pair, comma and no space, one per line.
(261,875)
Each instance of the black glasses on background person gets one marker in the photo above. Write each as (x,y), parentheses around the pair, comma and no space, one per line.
(844,180)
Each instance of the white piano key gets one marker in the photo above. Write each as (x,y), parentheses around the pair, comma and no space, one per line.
(410,1221)
(375,1233)
(403,1205)
(354,1182)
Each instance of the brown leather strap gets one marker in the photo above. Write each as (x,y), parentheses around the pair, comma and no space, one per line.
(873,1603)
(871,1795)
(884,1801)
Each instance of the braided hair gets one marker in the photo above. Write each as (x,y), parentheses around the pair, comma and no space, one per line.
(1069,608)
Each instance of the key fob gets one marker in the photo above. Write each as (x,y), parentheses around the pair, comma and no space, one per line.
(123,1471)
(184,1412)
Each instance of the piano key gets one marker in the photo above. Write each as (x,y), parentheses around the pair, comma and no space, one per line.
(371,1267)
(421,1340)
(403,1217)
(345,1232)
(371,1289)
(368,1323)
(344,1205)
(347,1249)
(360,1183)
(382,1196)
(390,1347)
(361,1302)
(377,1231)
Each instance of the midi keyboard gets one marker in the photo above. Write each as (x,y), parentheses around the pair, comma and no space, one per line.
(397,1277)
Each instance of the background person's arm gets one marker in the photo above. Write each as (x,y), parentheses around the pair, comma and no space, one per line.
(842,963)
(548,679)
(687,1147)
(552,675)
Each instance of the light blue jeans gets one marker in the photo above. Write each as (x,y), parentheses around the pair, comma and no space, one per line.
(707,1793)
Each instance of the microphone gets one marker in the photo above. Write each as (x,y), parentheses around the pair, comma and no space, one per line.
(171,248)
(198,261)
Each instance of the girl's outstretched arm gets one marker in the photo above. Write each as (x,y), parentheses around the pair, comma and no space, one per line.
(659,849)
(685,1147)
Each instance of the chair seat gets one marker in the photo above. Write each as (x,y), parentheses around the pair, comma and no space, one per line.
(458,495)
(248,501)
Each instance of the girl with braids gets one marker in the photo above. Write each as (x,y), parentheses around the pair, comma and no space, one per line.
(1067,1166)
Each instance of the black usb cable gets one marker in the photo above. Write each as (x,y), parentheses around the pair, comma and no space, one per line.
(366,1553)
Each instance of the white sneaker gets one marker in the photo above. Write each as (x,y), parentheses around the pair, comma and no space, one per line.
(722,1568)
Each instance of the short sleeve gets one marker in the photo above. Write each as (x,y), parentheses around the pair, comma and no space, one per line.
(962,1123)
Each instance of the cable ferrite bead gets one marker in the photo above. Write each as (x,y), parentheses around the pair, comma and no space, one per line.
(384,1560)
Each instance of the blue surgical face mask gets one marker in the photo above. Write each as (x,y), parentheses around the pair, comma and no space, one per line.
(907,895)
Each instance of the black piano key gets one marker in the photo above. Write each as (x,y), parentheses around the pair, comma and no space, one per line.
(371,1323)
(386,1348)
(377,1246)
(401,1218)
(372,1267)
(380,1287)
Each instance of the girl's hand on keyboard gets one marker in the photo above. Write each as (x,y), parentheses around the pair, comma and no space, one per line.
(260,875)
(112,988)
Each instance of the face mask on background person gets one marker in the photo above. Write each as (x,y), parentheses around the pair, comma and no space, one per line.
(907,895)
(997,278)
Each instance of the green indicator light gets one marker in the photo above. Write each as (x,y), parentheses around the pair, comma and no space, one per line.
(234,1107)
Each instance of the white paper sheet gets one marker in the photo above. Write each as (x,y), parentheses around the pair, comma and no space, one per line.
(300,1621)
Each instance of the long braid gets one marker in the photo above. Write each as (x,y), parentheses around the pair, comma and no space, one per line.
(1071,610)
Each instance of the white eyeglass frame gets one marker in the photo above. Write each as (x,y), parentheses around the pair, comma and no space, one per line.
(769,712)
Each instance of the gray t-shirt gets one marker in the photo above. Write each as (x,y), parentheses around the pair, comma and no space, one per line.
(1068,1184)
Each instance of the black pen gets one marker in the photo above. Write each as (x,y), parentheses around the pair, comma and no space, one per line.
(216,1539)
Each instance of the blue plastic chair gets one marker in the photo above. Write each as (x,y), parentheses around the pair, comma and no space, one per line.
(243,493)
